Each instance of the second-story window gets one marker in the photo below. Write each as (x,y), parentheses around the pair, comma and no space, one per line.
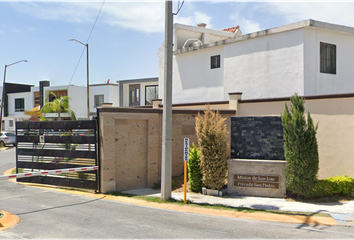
(19,104)
(328,54)
(99,99)
(134,92)
(151,93)
(215,61)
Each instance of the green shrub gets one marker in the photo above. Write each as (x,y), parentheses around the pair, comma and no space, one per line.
(212,140)
(300,146)
(194,172)
(333,186)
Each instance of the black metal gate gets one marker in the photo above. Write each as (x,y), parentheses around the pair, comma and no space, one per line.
(54,145)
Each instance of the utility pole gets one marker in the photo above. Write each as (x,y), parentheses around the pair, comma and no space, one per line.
(3,91)
(166,171)
(88,75)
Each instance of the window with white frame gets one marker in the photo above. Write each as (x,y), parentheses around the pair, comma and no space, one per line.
(19,104)
(11,123)
(99,99)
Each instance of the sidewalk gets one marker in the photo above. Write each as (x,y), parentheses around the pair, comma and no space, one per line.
(343,213)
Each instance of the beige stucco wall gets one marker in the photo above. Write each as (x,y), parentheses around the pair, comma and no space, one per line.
(130,143)
(335,134)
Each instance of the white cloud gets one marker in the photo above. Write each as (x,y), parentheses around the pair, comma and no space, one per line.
(196,18)
(332,12)
(246,25)
(140,16)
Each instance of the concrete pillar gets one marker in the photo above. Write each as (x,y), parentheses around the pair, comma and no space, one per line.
(233,101)
(156,103)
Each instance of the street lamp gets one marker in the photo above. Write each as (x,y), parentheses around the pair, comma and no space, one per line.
(88,76)
(3,91)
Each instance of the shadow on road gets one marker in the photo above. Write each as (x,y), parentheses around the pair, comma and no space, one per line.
(64,206)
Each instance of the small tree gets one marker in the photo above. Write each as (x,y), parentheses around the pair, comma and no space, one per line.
(300,146)
(194,172)
(212,140)
(58,105)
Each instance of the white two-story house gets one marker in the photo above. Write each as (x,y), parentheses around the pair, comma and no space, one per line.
(307,57)
(22,99)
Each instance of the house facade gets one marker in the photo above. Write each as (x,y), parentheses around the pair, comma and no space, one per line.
(138,92)
(21,98)
(307,57)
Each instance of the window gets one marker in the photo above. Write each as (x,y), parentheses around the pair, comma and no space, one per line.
(215,61)
(99,99)
(328,58)
(151,93)
(11,123)
(134,92)
(19,104)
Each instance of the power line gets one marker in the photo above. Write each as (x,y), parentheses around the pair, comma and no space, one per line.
(179,7)
(83,50)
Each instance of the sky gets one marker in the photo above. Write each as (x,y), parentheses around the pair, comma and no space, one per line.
(125,36)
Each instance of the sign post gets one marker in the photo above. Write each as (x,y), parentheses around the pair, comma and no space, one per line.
(186,158)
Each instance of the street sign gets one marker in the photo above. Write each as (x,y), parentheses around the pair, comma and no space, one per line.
(186,149)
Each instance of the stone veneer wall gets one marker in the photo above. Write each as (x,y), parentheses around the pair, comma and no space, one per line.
(130,142)
(257,138)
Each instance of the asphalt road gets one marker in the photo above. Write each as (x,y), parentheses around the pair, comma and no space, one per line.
(46,213)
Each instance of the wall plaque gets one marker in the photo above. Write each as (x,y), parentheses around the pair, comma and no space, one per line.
(256,181)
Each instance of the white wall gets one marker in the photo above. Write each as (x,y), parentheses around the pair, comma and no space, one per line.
(194,80)
(110,92)
(78,101)
(265,67)
(78,98)
(261,67)
(28,103)
(324,83)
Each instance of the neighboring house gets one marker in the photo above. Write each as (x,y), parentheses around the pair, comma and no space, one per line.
(14,104)
(103,93)
(125,93)
(307,57)
(138,92)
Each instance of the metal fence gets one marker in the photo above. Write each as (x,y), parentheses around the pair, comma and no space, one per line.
(54,145)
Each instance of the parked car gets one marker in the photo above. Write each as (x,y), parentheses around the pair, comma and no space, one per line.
(7,138)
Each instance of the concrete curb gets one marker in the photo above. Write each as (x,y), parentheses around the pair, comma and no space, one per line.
(297,219)
(8,220)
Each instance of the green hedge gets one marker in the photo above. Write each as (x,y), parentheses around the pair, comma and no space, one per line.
(333,186)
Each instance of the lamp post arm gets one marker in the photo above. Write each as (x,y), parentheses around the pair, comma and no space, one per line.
(15,63)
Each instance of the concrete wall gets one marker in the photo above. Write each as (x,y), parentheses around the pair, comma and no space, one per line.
(110,92)
(28,103)
(131,145)
(324,83)
(194,81)
(262,178)
(265,67)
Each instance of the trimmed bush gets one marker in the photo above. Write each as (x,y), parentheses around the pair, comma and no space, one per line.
(300,147)
(194,172)
(333,186)
(212,140)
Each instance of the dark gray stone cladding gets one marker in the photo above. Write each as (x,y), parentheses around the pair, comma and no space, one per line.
(257,138)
